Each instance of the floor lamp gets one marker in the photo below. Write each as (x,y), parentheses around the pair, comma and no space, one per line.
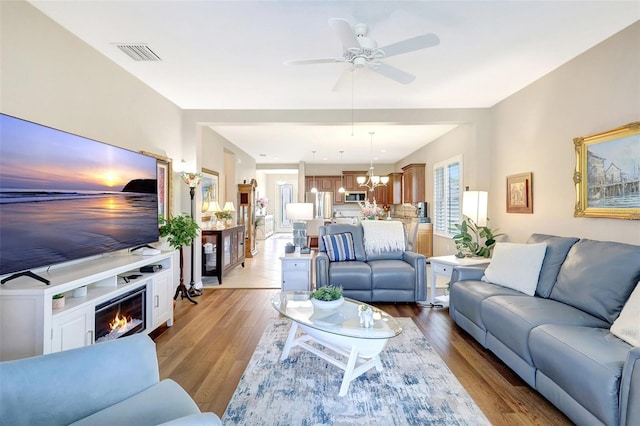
(193,180)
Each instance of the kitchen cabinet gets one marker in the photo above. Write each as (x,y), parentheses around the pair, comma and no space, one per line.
(322,183)
(350,180)
(394,188)
(424,239)
(413,183)
(338,197)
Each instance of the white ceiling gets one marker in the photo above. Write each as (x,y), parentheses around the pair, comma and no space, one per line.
(229,55)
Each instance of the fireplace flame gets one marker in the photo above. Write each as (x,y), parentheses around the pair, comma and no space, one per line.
(119,323)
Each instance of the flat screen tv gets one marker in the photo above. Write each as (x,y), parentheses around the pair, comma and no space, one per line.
(64,197)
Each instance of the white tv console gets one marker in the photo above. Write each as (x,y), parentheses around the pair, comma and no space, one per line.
(29,325)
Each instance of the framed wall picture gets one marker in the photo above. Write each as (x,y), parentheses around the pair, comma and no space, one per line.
(164,178)
(607,174)
(210,191)
(520,193)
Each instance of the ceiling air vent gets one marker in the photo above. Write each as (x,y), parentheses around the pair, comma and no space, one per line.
(138,51)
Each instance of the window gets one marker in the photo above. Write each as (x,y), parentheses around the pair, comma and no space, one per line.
(447,181)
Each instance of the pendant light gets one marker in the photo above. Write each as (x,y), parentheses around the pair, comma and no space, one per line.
(341,190)
(313,188)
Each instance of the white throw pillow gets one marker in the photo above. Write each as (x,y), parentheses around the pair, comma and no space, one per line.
(516,266)
(627,325)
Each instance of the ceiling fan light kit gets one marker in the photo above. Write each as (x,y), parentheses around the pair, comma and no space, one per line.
(360,50)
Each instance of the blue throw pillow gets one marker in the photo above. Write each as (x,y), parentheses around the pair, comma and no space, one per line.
(339,247)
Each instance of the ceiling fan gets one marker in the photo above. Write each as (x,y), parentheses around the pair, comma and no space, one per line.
(361,51)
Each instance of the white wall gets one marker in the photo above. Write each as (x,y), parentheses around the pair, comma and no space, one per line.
(534,130)
(51,77)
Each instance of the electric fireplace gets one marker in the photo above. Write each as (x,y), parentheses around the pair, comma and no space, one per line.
(121,316)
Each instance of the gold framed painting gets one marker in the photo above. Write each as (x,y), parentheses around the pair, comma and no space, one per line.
(607,174)
(520,193)
(164,179)
(210,191)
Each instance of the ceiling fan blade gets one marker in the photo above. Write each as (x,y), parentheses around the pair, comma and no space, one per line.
(344,32)
(411,44)
(392,72)
(346,76)
(314,61)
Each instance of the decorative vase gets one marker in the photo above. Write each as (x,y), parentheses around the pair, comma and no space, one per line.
(372,217)
(327,304)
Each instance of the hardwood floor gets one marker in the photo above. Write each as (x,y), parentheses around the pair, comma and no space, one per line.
(210,344)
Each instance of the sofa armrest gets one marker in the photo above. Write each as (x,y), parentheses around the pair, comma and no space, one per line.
(630,389)
(73,384)
(322,270)
(467,273)
(419,263)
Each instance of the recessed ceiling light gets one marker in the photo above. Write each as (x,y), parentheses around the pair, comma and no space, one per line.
(262,155)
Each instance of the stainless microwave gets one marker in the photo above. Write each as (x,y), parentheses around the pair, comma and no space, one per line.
(355,197)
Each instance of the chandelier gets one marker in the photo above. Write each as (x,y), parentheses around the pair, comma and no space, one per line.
(372,181)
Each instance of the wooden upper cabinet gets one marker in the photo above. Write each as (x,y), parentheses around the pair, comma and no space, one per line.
(394,188)
(350,182)
(413,183)
(338,197)
(380,194)
(322,183)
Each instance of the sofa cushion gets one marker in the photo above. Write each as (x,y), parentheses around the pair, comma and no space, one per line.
(339,247)
(585,362)
(157,404)
(510,319)
(353,275)
(465,297)
(627,325)
(516,266)
(557,249)
(338,228)
(391,273)
(598,277)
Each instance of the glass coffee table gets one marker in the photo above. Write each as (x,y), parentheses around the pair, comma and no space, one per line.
(337,330)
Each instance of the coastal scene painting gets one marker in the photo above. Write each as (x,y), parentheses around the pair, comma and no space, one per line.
(607,175)
(64,197)
(614,173)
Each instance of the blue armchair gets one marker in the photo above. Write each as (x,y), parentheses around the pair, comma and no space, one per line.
(386,276)
(110,383)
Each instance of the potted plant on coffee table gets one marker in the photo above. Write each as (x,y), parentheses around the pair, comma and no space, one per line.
(180,231)
(328,297)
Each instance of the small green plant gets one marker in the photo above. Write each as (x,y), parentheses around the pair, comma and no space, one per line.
(58,296)
(469,238)
(327,293)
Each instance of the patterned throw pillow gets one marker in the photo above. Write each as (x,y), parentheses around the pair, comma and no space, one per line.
(339,247)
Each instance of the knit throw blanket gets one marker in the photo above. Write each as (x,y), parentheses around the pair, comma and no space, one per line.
(383,235)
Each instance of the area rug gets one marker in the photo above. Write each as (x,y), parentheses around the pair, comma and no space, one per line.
(414,388)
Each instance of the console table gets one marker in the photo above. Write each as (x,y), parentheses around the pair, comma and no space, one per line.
(222,250)
(265,226)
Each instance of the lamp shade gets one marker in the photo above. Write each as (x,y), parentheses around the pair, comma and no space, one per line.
(474,206)
(299,211)
(229,207)
(214,207)
(191,179)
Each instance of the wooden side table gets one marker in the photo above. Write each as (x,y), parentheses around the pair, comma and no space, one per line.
(296,271)
(443,266)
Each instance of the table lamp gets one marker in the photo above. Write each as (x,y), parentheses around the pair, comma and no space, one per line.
(299,213)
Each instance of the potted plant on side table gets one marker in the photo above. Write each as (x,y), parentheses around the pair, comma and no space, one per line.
(180,231)
(469,239)
(328,297)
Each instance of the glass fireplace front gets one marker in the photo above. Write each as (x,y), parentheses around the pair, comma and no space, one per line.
(121,316)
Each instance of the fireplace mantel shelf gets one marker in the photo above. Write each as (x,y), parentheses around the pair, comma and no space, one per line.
(30,325)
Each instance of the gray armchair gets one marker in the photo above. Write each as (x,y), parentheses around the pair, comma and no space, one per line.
(389,276)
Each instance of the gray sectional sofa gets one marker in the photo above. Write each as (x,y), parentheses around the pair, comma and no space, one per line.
(559,339)
(389,276)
